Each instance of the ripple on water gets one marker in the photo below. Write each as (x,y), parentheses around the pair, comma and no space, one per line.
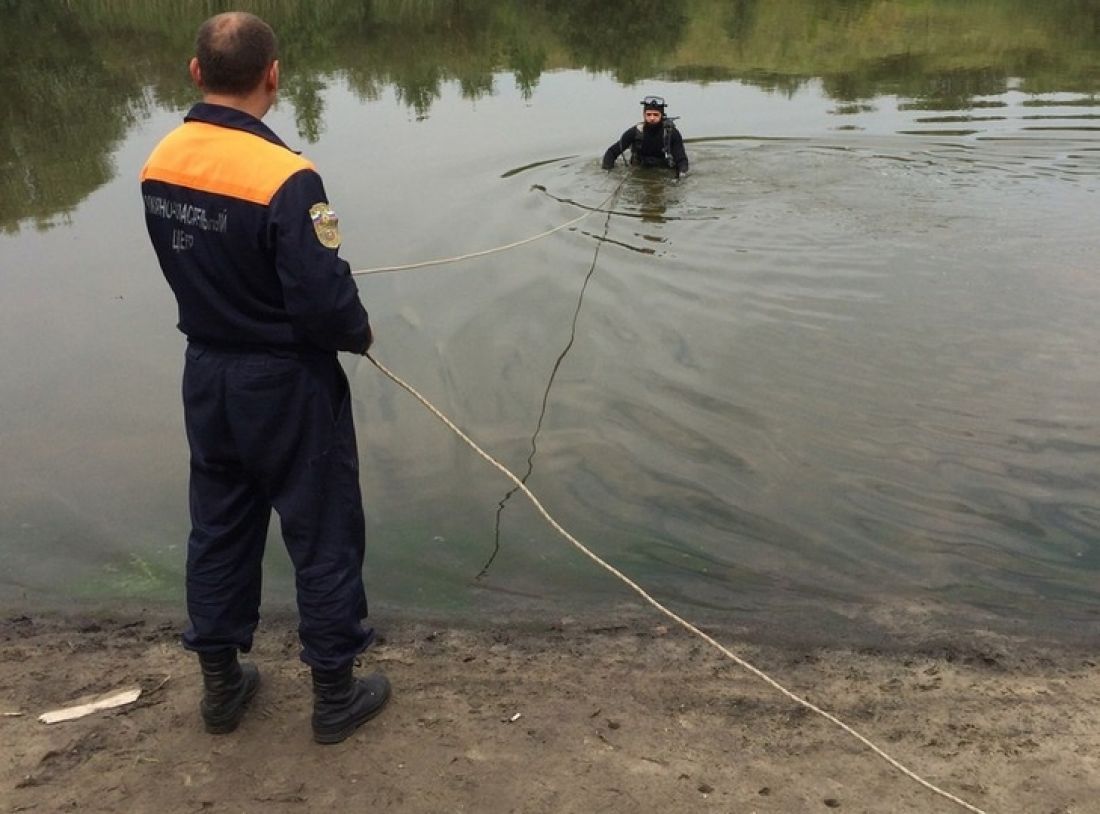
(857,365)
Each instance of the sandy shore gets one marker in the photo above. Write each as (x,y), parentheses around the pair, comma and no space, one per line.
(557,716)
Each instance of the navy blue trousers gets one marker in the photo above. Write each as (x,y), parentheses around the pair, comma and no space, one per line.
(273,430)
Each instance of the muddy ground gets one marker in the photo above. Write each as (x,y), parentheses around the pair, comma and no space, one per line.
(553,716)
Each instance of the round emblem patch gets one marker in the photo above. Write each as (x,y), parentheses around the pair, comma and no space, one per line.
(325,224)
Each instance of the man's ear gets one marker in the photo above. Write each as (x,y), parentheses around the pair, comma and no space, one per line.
(273,76)
(195,71)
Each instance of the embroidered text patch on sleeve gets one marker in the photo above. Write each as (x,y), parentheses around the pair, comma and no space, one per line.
(326,225)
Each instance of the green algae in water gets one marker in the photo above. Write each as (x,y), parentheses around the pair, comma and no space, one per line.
(135,578)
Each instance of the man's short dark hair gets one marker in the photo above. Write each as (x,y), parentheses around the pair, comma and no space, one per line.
(234,50)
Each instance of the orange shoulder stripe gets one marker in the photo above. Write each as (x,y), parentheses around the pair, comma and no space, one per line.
(223,161)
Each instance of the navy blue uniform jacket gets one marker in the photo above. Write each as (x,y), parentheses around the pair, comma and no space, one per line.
(244,235)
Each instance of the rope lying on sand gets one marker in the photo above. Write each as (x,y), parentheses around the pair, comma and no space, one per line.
(670,614)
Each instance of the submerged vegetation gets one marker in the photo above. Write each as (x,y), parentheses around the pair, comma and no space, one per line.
(79,75)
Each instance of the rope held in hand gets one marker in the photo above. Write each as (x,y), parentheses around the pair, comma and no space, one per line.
(670,614)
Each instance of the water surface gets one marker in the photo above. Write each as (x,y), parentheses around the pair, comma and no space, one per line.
(841,376)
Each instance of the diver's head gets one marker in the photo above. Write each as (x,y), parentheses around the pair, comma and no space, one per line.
(653,109)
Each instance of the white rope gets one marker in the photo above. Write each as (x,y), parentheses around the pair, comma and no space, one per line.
(442,260)
(670,614)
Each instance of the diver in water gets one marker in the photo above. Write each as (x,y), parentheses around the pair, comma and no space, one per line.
(654,142)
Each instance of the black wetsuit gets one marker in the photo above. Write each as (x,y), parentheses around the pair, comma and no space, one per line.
(651,151)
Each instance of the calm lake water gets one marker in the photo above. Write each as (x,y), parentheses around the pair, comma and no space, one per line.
(841,380)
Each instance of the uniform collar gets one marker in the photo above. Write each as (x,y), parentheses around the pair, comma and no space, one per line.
(231,117)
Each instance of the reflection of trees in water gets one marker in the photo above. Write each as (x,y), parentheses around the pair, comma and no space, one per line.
(76,75)
(933,49)
(632,39)
(739,19)
(303,91)
(66,105)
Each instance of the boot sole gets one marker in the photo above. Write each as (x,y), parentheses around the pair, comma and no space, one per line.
(341,735)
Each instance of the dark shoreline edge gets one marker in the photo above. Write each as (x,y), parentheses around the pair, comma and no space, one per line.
(925,632)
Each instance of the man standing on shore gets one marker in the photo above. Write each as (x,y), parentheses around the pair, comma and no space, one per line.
(247,240)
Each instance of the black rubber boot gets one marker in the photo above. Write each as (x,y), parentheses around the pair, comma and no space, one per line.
(228,686)
(342,702)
